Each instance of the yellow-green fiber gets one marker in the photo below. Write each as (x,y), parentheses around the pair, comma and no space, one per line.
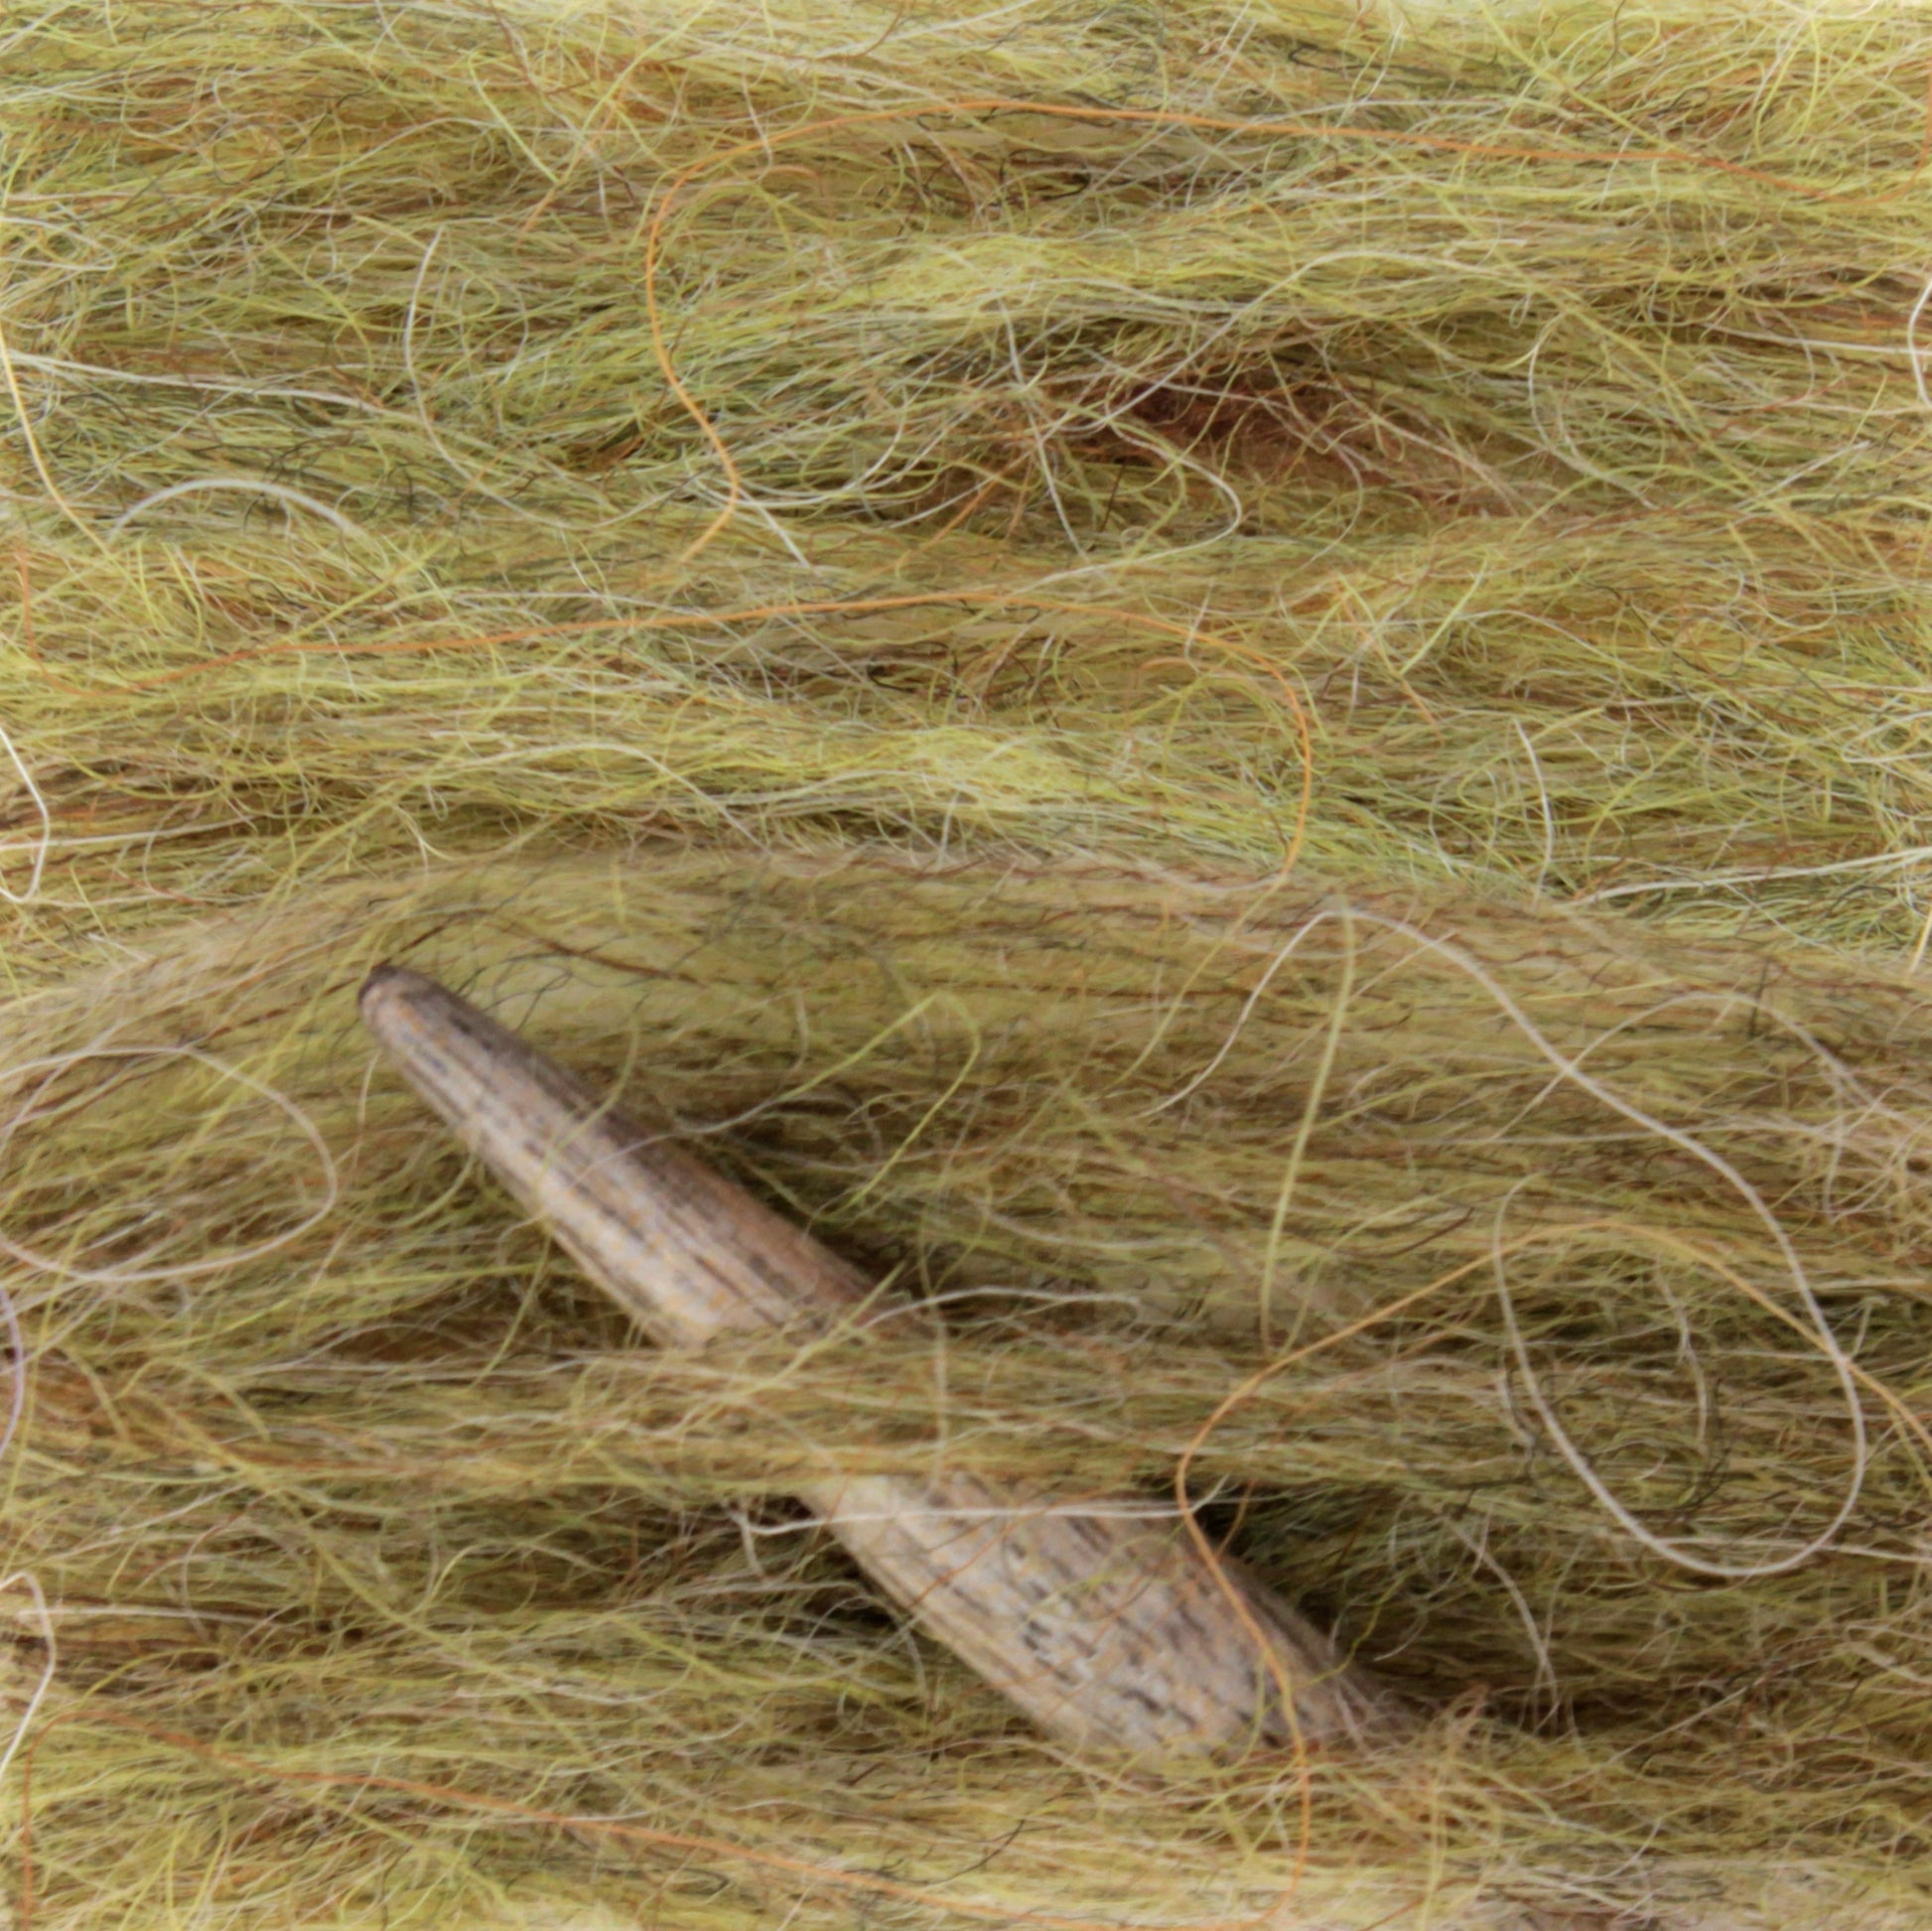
(1243,689)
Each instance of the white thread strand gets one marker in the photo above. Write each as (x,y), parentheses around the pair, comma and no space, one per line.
(183,1270)
(1572,1071)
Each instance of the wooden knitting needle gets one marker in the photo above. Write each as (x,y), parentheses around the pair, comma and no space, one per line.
(1112,1631)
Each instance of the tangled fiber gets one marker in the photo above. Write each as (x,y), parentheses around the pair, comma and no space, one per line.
(1239,686)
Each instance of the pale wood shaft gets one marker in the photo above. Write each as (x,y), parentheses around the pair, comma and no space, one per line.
(1111,1630)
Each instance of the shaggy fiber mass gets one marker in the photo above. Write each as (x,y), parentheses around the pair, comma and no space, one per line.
(1241,688)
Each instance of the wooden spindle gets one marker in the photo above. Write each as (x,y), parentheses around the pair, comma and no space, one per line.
(1111,1630)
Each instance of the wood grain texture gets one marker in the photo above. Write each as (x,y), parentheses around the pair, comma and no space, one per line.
(1110,1629)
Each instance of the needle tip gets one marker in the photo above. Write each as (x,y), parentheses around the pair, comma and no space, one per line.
(389,978)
